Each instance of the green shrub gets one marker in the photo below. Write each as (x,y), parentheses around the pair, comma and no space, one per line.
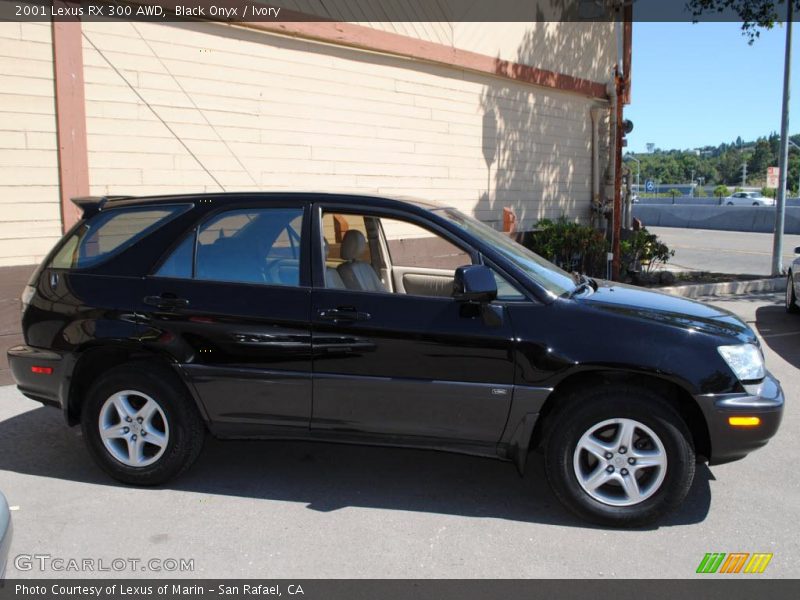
(571,246)
(721,191)
(575,247)
(645,249)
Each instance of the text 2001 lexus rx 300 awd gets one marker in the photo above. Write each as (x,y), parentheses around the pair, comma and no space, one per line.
(359,319)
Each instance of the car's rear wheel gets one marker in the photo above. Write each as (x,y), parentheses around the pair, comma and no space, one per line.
(756,203)
(619,455)
(791,298)
(140,425)
(730,203)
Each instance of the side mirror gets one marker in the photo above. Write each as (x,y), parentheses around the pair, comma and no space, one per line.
(474,283)
(797,250)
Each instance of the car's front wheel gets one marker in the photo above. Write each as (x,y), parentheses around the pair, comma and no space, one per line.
(619,455)
(140,425)
(791,298)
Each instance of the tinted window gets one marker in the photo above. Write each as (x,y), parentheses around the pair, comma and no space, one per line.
(247,246)
(110,232)
(179,263)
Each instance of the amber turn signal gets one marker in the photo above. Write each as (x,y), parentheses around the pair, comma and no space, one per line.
(744,421)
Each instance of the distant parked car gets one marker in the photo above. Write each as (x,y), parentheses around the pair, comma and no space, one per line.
(793,284)
(5,535)
(748,199)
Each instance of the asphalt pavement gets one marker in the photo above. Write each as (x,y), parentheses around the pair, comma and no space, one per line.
(723,251)
(302,510)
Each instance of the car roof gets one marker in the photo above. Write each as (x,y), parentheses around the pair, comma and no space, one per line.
(93,204)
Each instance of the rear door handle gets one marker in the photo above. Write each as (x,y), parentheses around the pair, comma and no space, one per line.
(343,315)
(166,301)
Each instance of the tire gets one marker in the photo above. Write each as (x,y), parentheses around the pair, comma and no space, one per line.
(756,204)
(791,298)
(591,415)
(730,203)
(168,415)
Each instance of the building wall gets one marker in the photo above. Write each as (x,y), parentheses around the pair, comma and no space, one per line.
(30,211)
(198,107)
(202,106)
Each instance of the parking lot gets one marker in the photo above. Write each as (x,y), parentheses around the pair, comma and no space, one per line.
(279,509)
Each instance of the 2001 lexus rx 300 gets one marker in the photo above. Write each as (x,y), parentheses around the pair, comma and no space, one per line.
(369,320)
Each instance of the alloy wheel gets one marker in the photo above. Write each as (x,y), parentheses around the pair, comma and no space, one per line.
(133,428)
(620,462)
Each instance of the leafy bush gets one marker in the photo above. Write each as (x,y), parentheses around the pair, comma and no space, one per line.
(721,191)
(575,247)
(769,192)
(571,246)
(645,249)
(700,192)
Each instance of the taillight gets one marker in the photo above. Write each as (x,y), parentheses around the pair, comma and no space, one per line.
(27,296)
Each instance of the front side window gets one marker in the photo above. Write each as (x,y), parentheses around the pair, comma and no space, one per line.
(553,279)
(110,232)
(260,245)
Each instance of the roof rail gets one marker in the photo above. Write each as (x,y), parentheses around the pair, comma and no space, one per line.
(91,205)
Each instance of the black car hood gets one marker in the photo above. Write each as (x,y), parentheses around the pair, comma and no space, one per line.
(667,309)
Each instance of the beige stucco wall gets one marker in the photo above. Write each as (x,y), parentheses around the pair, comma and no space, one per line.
(202,106)
(185,105)
(30,213)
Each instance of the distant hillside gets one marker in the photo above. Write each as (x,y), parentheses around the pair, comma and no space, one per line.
(720,164)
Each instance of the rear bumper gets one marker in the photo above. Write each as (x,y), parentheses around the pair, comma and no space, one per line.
(728,443)
(45,387)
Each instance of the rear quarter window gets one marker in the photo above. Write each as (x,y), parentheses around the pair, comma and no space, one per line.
(110,232)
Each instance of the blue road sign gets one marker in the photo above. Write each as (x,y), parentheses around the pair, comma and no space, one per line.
(650,185)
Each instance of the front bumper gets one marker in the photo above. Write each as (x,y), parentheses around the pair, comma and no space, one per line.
(728,443)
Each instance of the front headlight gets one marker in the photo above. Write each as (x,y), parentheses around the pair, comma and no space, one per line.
(745,361)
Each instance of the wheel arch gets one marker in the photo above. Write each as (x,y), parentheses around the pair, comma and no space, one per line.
(93,361)
(678,396)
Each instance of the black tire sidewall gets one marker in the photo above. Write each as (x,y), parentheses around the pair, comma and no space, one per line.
(182,420)
(791,298)
(639,405)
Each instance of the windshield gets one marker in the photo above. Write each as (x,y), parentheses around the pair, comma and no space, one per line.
(556,281)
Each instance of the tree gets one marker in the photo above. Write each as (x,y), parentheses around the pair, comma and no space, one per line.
(761,159)
(721,191)
(754,14)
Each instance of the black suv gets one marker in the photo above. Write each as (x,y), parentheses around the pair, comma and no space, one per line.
(377,321)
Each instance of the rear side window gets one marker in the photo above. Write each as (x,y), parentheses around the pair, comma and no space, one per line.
(110,232)
(260,245)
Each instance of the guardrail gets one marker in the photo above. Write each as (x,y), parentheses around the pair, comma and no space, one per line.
(760,219)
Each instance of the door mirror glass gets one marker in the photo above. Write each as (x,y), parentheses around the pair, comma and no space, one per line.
(474,283)
(797,250)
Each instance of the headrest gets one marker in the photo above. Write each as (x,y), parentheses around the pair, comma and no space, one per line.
(326,247)
(353,244)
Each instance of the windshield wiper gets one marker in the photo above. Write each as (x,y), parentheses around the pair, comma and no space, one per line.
(582,284)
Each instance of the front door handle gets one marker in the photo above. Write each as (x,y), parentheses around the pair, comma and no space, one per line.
(343,314)
(166,301)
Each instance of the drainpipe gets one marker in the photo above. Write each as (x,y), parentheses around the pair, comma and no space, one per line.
(612,178)
(597,204)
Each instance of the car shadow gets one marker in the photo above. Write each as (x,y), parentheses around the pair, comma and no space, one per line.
(328,477)
(780,331)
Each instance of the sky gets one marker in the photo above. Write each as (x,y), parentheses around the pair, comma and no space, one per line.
(701,84)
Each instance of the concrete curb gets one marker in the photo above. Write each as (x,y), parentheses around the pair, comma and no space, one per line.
(728,288)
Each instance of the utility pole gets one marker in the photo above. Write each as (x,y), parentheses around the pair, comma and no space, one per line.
(780,209)
(744,173)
